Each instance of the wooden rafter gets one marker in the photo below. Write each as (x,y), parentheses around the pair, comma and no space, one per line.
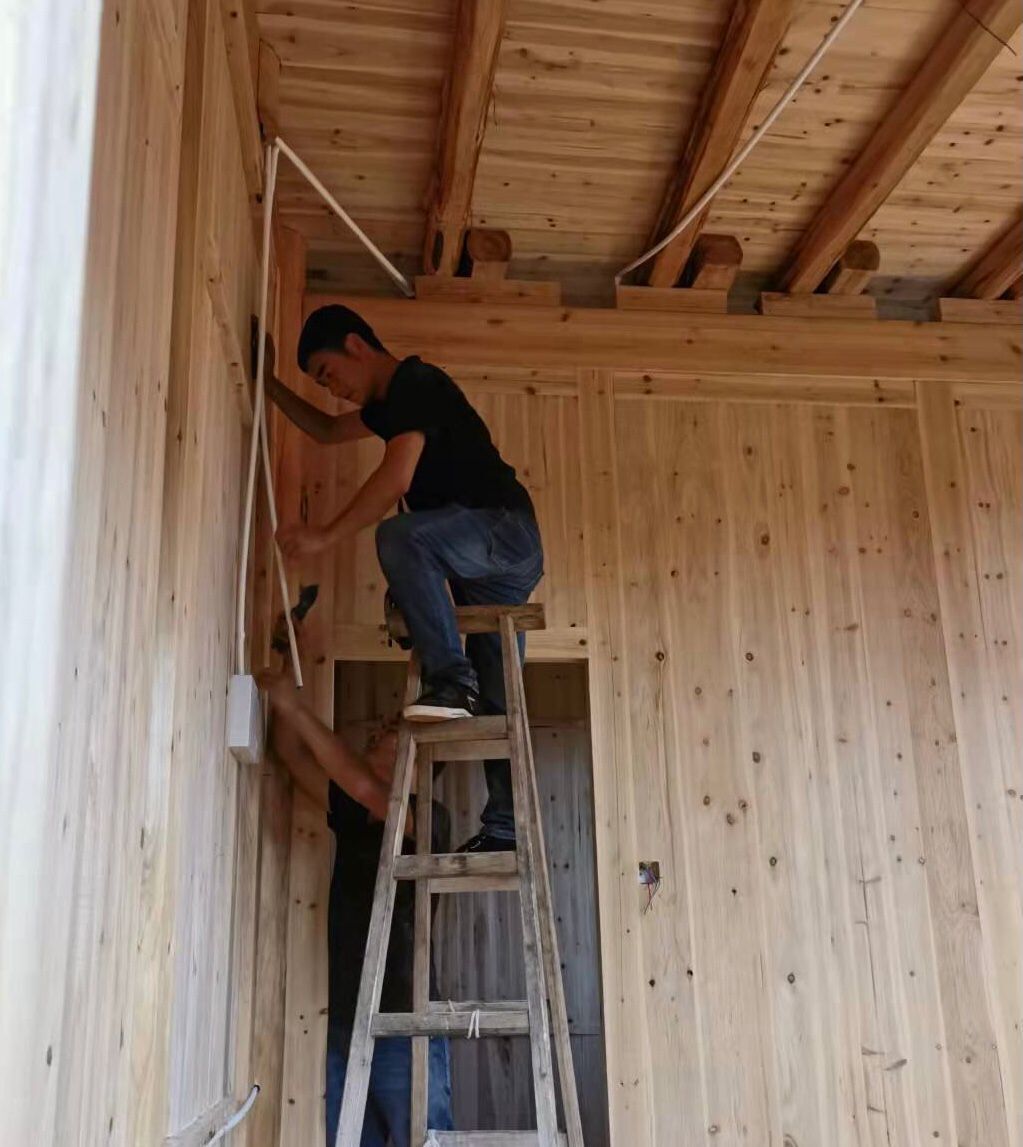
(997,269)
(747,51)
(478,29)
(965,49)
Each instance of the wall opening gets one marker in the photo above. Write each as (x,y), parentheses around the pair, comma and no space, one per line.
(477,936)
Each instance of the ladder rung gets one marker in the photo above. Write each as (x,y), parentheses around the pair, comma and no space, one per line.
(463,729)
(496,749)
(442,885)
(436,1007)
(495,1022)
(456,865)
(479,618)
(492,1138)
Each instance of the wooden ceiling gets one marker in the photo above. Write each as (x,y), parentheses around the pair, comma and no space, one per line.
(590,111)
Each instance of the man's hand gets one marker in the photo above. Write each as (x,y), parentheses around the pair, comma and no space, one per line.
(303,541)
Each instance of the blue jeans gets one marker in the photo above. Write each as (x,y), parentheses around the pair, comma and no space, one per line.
(487,557)
(388,1106)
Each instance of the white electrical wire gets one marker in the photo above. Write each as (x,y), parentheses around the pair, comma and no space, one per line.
(750,144)
(259,437)
(403,284)
(238,1116)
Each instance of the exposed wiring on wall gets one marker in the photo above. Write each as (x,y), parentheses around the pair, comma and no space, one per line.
(238,1116)
(261,439)
(650,878)
(750,144)
(402,283)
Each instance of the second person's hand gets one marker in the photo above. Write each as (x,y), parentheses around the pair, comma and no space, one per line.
(301,541)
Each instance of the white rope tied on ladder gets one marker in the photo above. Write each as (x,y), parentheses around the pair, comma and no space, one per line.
(474,1020)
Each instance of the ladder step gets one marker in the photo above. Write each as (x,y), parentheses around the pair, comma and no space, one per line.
(456,865)
(462,729)
(492,1139)
(493,1022)
(492,749)
(479,618)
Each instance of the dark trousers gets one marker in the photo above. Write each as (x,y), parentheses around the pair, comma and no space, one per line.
(389,1104)
(486,557)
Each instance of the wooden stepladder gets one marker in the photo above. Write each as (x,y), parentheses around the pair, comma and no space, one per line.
(524,871)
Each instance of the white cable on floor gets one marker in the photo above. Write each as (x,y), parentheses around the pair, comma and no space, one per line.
(403,284)
(750,144)
(260,438)
(238,1116)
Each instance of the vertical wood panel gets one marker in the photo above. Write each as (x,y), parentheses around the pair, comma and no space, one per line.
(972,463)
(134,1003)
(795,760)
(628,1063)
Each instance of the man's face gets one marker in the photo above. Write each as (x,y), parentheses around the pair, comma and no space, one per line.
(347,374)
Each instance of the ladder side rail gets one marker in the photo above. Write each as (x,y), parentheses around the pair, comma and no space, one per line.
(551,951)
(360,1052)
(421,952)
(536,988)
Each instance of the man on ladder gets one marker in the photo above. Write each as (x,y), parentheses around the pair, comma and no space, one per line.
(470,525)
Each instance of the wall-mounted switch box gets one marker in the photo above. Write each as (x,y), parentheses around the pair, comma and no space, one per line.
(244,719)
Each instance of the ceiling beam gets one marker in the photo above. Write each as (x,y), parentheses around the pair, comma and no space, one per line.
(750,43)
(997,268)
(963,52)
(474,334)
(478,29)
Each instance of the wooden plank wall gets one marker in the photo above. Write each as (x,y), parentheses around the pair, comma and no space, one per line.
(803,616)
(128,999)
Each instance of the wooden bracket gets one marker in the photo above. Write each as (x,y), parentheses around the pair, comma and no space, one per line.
(981,311)
(852,273)
(687,299)
(817,306)
(487,254)
(715,262)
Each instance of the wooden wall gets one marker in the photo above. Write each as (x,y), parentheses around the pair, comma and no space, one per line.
(128,952)
(799,600)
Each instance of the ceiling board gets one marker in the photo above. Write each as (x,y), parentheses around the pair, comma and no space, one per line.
(592,104)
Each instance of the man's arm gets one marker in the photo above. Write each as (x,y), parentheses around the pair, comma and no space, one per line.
(323,427)
(374,499)
(314,754)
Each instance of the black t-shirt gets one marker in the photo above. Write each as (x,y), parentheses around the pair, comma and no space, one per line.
(460,463)
(351,904)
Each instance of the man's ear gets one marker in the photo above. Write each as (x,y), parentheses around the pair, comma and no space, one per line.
(355,346)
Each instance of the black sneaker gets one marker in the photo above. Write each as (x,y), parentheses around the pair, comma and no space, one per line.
(443,701)
(484,842)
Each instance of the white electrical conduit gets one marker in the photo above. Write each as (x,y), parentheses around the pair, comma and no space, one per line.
(750,144)
(238,1116)
(259,432)
(259,436)
(403,284)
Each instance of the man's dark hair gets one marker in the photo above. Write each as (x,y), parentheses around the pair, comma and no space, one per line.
(327,329)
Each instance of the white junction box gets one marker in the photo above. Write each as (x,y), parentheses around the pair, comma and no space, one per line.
(244,719)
